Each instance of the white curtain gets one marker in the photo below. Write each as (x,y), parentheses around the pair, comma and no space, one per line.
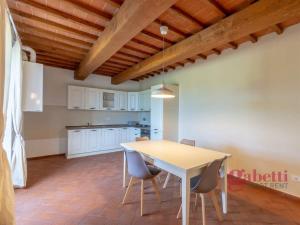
(7,212)
(18,160)
(13,142)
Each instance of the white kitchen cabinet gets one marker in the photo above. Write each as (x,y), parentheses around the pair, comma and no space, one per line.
(76,96)
(134,133)
(133,101)
(76,142)
(123,100)
(110,138)
(124,134)
(91,136)
(164,116)
(92,99)
(32,87)
(145,100)
(142,97)
(110,100)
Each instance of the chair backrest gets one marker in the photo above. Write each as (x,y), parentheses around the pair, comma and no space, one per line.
(145,138)
(208,180)
(136,165)
(187,142)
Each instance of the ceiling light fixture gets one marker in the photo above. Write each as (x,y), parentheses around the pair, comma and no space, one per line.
(163,92)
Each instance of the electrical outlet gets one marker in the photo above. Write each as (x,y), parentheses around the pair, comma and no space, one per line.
(295,178)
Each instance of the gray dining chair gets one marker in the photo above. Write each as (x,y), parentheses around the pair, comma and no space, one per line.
(206,183)
(138,170)
(184,142)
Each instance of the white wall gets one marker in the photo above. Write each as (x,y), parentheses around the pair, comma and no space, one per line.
(45,132)
(246,102)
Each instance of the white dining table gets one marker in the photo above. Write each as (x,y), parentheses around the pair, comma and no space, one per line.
(183,161)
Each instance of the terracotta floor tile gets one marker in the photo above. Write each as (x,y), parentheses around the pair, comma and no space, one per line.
(87,191)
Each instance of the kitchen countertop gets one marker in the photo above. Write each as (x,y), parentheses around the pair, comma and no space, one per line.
(107,126)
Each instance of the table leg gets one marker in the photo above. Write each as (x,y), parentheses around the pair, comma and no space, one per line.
(124,169)
(224,186)
(167,180)
(185,198)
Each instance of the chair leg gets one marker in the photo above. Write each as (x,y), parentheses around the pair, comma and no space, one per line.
(179,212)
(156,188)
(167,180)
(196,199)
(216,204)
(142,196)
(127,190)
(203,209)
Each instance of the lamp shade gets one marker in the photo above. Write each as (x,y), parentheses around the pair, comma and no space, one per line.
(163,92)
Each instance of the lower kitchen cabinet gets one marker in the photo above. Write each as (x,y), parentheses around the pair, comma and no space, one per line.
(91,140)
(83,142)
(76,141)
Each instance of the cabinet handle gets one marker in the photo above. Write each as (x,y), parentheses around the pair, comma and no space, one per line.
(92,108)
(155,129)
(93,130)
(76,107)
(111,129)
(122,109)
(76,131)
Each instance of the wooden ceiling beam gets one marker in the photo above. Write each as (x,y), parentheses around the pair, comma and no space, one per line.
(56,44)
(252,38)
(216,51)
(56,60)
(187,15)
(145,44)
(51,49)
(129,55)
(123,59)
(62,15)
(82,7)
(256,17)
(51,23)
(137,50)
(116,65)
(38,38)
(122,28)
(277,28)
(155,36)
(202,56)
(180,64)
(233,45)
(51,34)
(56,55)
(191,60)
(119,62)
(110,68)
(157,21)
(226,12)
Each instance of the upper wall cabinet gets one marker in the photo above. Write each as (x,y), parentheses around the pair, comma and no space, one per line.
(110,100)
(92,99)
(32,87)
(101,99)
(123,100)
(145,100)
(133,101)
(76,97)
